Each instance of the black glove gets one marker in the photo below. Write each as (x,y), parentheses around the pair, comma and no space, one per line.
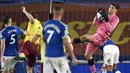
(100,9)
(105,15)
(102,15)
(99,16)
(76,40)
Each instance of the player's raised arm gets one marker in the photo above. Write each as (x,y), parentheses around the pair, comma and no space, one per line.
(20,31)
(82,39)
(26,33)
(97,18)
(95,21)
(30,17)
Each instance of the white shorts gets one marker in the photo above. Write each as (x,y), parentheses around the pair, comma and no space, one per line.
(60,64)
(111,54)
(10,63)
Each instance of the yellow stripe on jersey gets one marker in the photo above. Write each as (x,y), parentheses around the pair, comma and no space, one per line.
(32,30)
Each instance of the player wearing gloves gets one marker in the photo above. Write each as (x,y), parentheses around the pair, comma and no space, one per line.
(102,15)
(108,23)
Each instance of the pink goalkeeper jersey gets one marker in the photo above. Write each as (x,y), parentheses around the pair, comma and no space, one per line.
(106,28)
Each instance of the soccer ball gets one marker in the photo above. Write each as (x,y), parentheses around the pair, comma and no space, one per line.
(117,71)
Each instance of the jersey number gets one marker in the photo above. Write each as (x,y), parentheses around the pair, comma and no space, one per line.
(50,32)
(12,39)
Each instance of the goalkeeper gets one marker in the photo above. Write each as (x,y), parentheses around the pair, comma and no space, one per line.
(108,23)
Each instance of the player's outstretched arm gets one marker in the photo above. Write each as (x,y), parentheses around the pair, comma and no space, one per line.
(30,17)
(69,49)
(82,39)
(85,37)
(26,32)
(20,31)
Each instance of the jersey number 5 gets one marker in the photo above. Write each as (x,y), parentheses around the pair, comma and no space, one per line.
(12,39)
(50,32)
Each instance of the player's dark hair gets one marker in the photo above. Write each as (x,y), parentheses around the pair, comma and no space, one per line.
(6,19)
(117,6)
(34,14)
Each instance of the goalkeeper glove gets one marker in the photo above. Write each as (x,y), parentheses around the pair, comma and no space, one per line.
(102,15)
(76,40)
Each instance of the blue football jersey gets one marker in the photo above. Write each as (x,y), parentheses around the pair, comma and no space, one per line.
(108,42)
(54,31)
(10,34)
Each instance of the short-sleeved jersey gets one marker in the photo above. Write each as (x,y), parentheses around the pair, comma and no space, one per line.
(10,34)
(108,42)
(42,44)
(54,32)
(32,30)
